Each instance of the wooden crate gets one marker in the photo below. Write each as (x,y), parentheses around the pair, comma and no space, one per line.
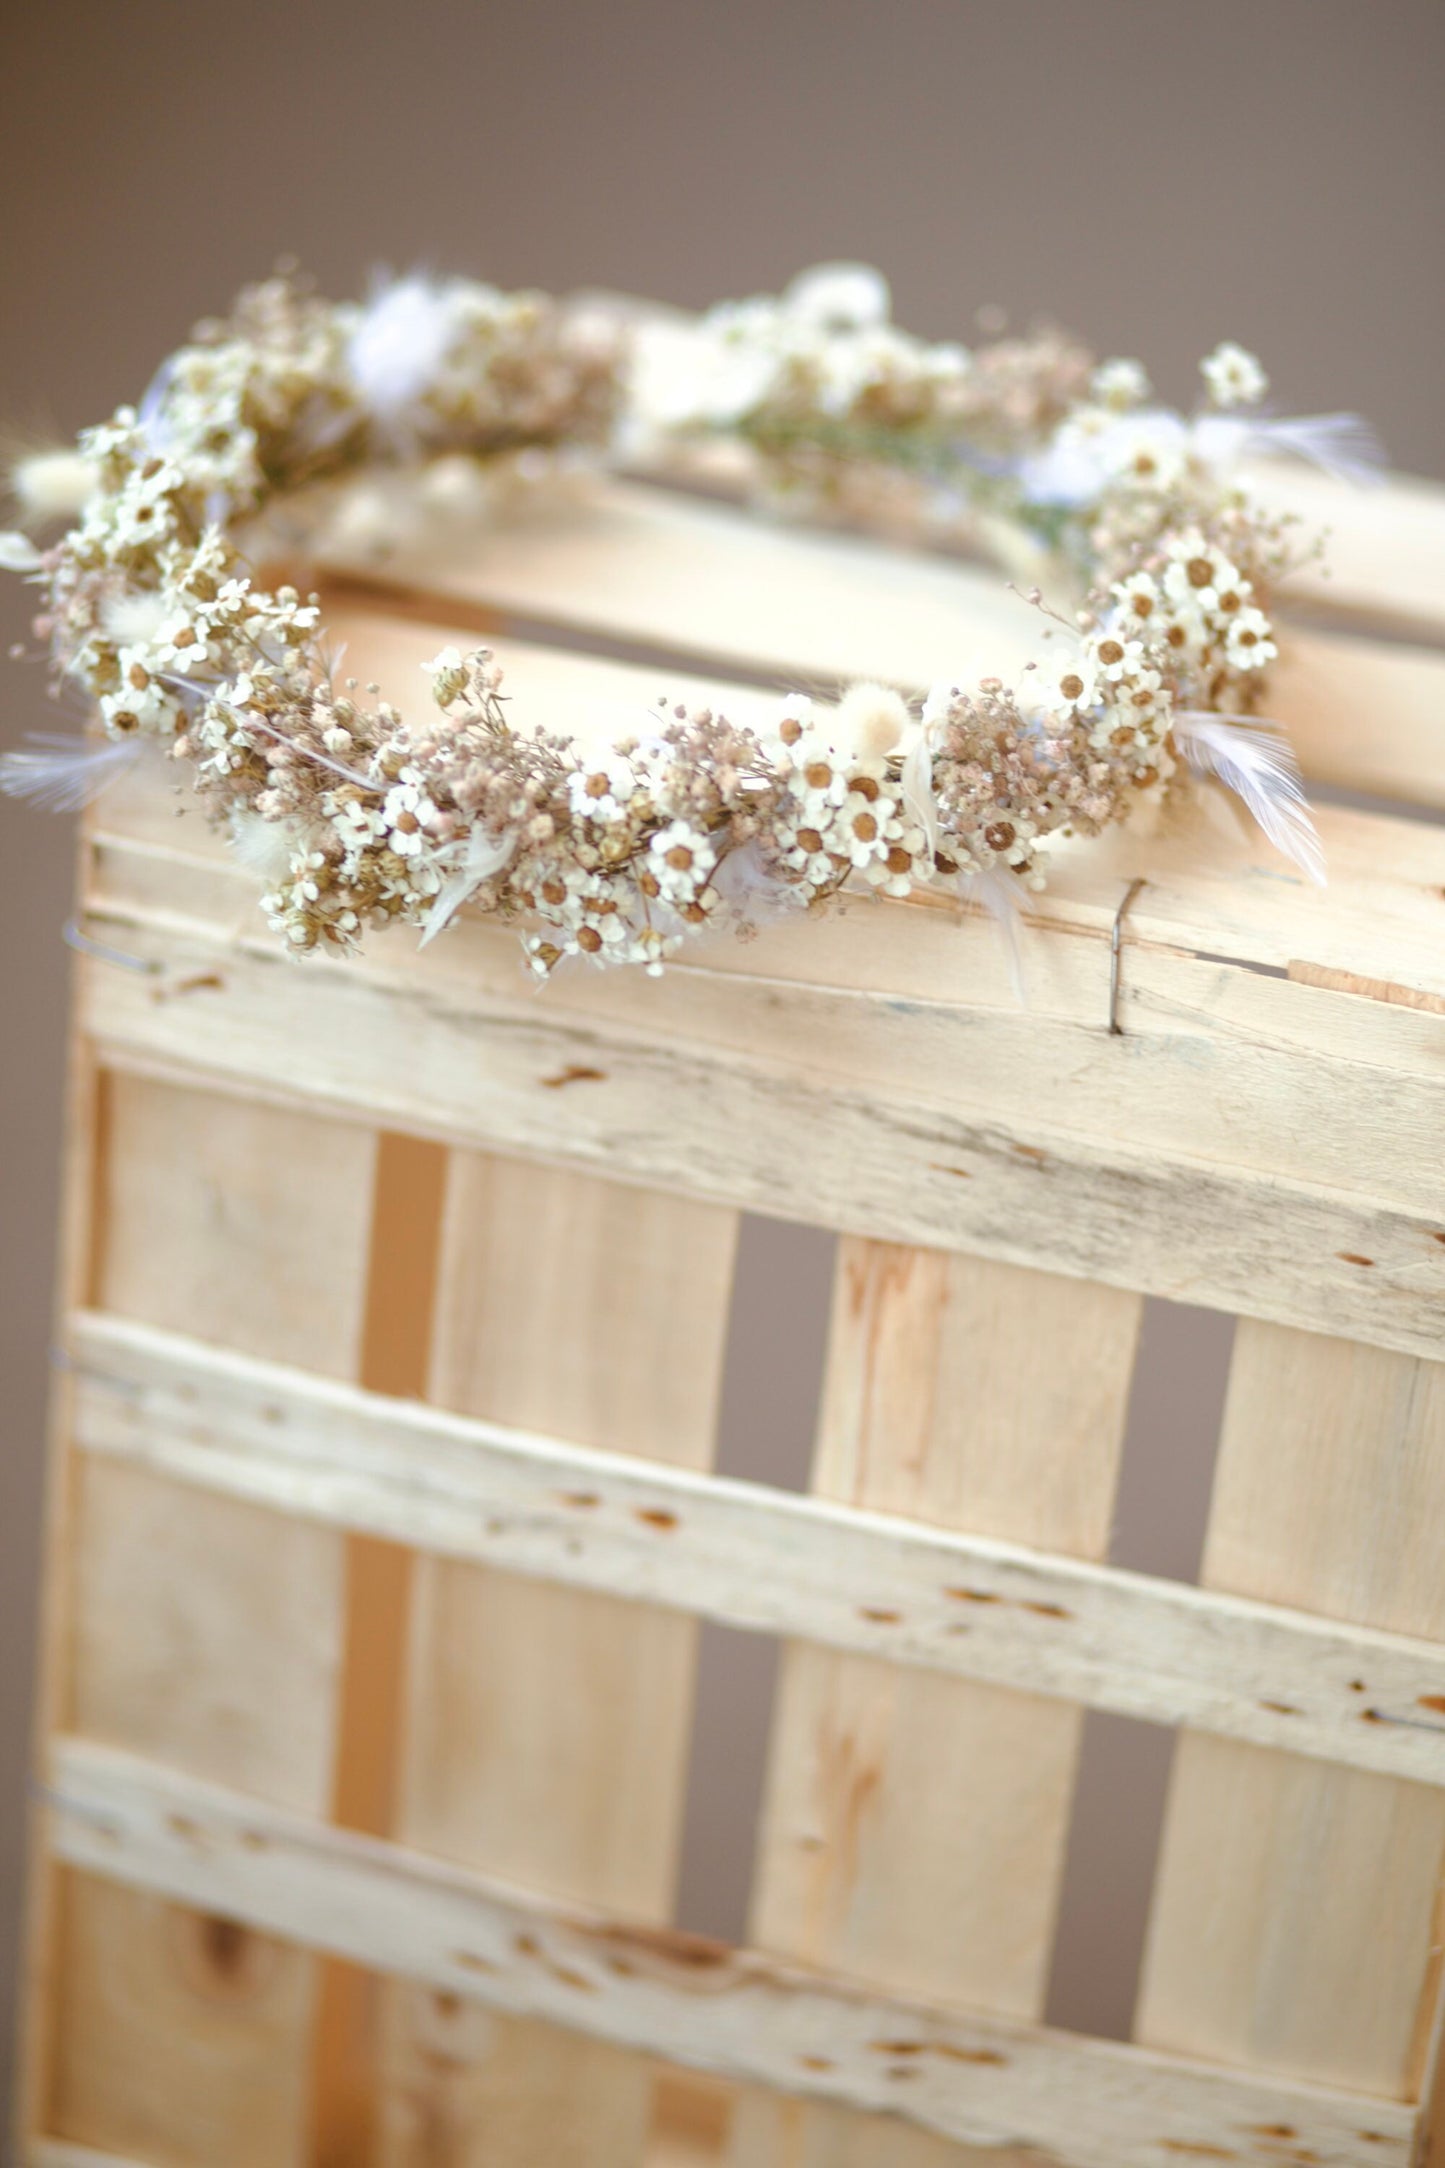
(395,1305)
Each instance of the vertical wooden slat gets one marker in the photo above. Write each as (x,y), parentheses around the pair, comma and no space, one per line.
(206,1633)
(547,1728)
(1293,1914)
(396,1339)
(915,1826)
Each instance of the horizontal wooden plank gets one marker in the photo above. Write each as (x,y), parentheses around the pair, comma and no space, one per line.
(754,1557)
(1088,2103)
(1364,715)
(721,590)
(1205,1038)
(64,2153)
(1385,557)
(514,1074)
(689,2132)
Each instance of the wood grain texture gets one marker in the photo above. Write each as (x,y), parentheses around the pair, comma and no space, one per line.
(1294,1910)
(547,1728)
(207,1631)
(992,2081)
(60,2153)
(400,1296)
(754,1557)
(1264,1138)
(1385,560)
(914,1828)
(518,1077)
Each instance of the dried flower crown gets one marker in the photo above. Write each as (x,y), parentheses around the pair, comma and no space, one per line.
(358,817)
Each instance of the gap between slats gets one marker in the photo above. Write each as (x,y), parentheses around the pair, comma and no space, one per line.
(1091,2103)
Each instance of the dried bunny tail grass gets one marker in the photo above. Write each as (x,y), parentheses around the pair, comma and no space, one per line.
(52,484)
(135,619)
(870,720)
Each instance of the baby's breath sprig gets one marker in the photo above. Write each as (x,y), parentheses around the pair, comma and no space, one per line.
(356,817)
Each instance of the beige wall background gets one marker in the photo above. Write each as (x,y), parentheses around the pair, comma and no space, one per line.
(1155,175)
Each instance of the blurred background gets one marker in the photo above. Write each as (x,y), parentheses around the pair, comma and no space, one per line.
(1156,177)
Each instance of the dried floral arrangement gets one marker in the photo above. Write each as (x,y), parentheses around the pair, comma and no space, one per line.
(355,816)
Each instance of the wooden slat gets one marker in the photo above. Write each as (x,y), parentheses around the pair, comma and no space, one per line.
(207,1631)
(547,1727)
(931,1014)
(1088,2104)
(715,585)
(1365,715)
(60,2153)
(1201,1031)
(74,1283)
(400,1292)
(914,1828)
(1385,559)
(756,1558)
(1293,1923)
(514,1076)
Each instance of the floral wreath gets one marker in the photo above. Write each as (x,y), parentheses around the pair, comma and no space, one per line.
(356,818)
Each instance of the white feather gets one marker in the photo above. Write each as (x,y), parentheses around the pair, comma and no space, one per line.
(54,484)
(1002,895)
(485,855)
(917,784)
(1257,762)
(1343,445)
(751,894)
(66,773)
(400,342)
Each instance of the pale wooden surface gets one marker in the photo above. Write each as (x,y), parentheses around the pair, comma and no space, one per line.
(896,1160)
(207,1631)
(1264,1138)
(988,2080)
(752,1556)
(1294,1907)
(547,1728)
(1385,562)
(914,1829)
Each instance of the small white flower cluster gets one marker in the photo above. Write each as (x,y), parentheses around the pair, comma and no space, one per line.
(1233,376)
(831,396)
(685,819)
(840,808)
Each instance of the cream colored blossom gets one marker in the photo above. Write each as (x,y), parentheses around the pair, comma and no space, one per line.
(1233,377)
